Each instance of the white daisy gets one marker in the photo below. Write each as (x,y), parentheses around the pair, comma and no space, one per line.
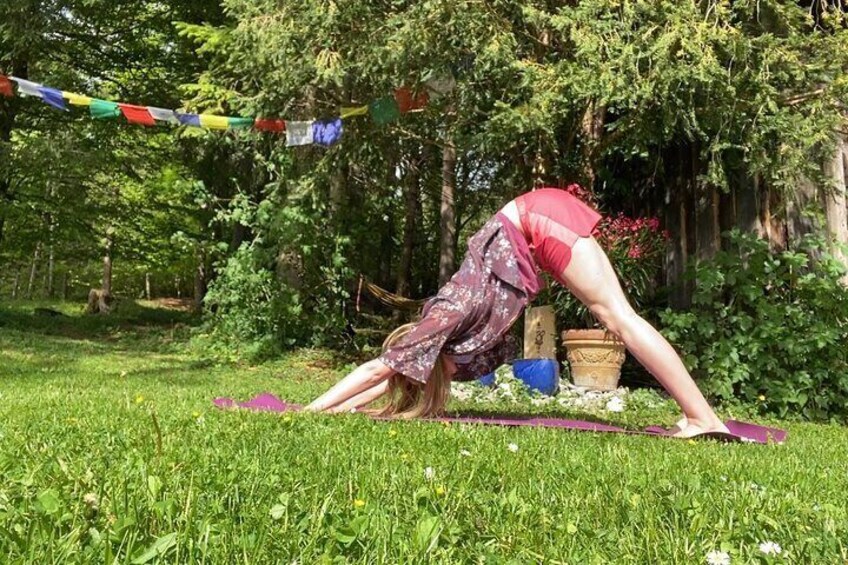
(770,548)
(465,453)
(718,558)
(512,447)
(429,473)
(615,404)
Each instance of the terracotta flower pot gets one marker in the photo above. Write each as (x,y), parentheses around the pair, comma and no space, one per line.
(595,357)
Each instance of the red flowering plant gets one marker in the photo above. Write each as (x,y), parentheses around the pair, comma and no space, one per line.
(635,247)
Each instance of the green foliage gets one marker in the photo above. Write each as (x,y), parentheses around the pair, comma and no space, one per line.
(768,328)
(249,307)
(271,297)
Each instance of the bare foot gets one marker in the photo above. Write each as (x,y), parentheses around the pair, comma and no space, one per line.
(681,425)
(694,428)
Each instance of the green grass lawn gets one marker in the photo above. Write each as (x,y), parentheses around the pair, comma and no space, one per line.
(110,451)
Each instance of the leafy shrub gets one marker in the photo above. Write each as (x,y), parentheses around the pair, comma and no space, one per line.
(287,287)
(250,311)
(768,328)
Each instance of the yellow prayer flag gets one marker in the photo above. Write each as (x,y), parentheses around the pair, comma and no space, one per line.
(350,111)
(76,99)
(214,122)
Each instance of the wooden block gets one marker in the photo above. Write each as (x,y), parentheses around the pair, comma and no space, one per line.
(540,333)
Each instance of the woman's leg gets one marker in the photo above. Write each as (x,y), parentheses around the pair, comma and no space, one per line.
(593,281)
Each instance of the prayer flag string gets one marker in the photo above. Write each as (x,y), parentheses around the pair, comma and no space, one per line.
(383,111)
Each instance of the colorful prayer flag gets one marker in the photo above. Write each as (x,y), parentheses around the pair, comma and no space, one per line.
(298,133)
(27,88)
(101,109)
(6,87)
(192,120)
(137,115)
(327,132)
(385,110)
(53,97)
(268,124)
(409,101)
(350,111)
(163,115)
(209,121)
(77,99)
(238,123)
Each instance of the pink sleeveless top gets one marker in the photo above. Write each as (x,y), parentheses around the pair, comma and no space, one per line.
(553,220)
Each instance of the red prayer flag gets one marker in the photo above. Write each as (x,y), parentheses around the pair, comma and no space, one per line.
(408,101)
(267,124)
(137,114)
(6,87)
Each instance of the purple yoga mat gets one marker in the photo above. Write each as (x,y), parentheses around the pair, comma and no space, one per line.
(739,431)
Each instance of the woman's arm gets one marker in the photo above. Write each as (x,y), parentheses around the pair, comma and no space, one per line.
(363,398)
(365,377)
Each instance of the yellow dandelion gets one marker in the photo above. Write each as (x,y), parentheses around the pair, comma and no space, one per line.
(139,399)
(440,490)
(692,442)
(195,414)
(392,433)
(762,397)
(404,457)
(359,503)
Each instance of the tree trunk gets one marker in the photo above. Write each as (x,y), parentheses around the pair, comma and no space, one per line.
(51,265)
(16,285)
(240,234)
(411,194)
(338,194)
(447,222)
(8,112)
(836,212)
(774,228)
(35,259)
(106,288)
(592,126)
(798,222)
(100,301)
(707,221)
(65,285)
(200,280)
(147,293)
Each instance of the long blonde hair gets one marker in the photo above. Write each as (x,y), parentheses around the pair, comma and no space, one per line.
(407,397)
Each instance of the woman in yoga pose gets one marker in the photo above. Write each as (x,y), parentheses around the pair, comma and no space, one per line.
(462,333)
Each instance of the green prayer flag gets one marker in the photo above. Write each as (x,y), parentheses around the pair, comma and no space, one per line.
(240,122)
(385,110)
(104,109)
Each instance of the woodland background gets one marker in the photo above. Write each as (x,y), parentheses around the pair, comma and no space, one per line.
(708,115)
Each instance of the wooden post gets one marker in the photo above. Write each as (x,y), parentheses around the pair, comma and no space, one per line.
(147,292)
(540,333)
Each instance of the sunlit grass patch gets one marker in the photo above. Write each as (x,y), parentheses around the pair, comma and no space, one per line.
(111,450)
